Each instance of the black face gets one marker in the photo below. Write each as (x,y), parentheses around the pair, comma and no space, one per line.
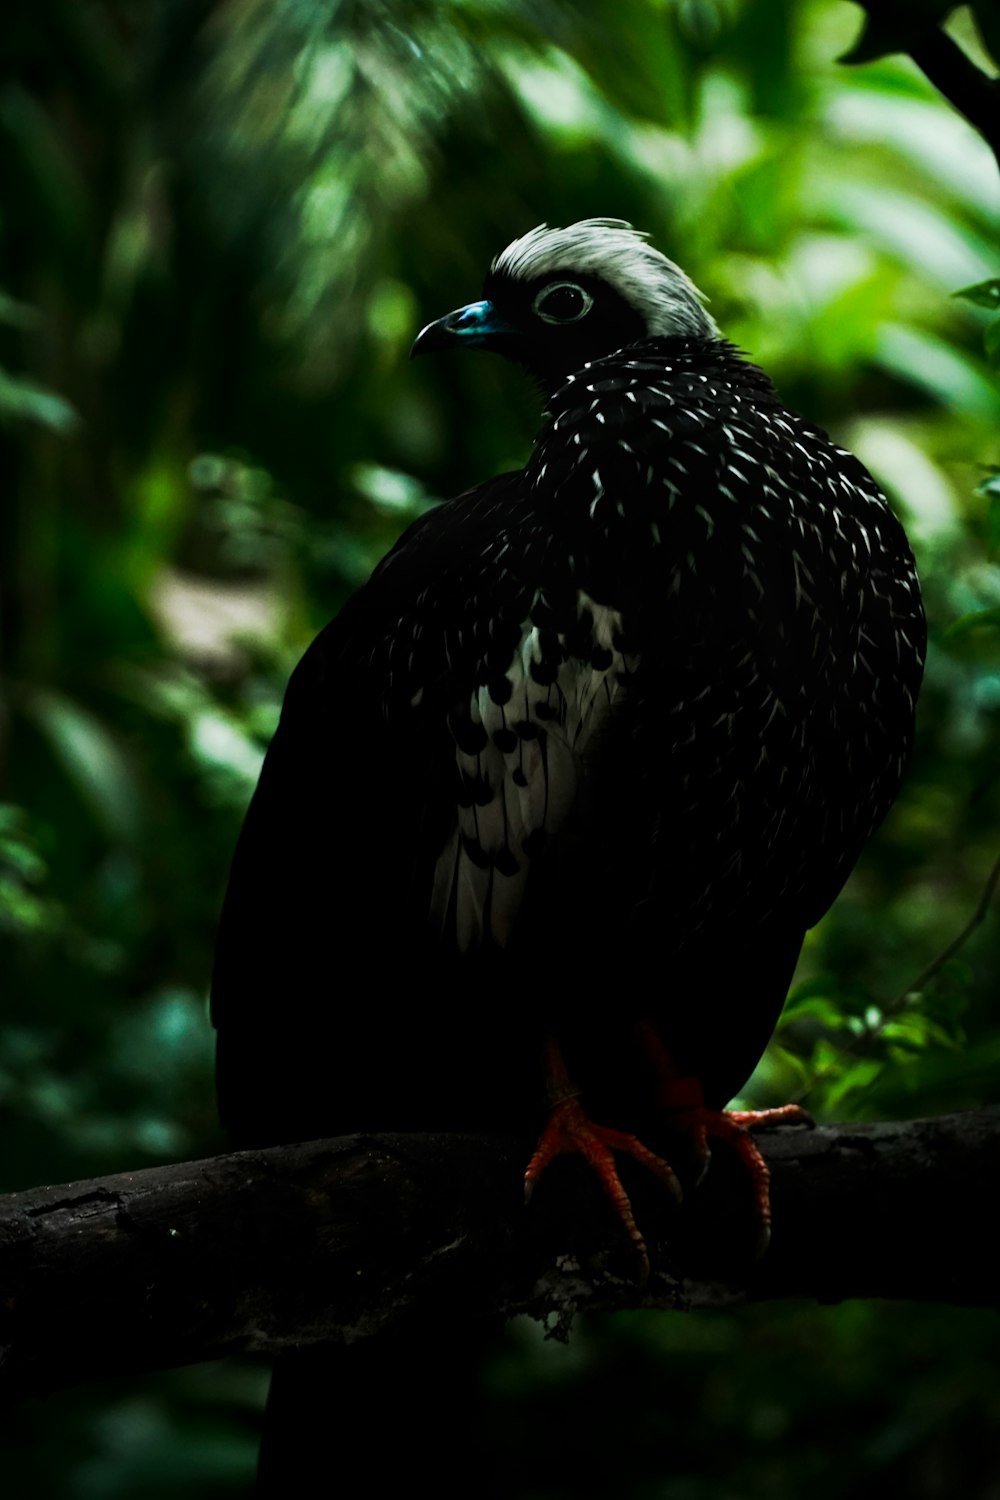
(553,324)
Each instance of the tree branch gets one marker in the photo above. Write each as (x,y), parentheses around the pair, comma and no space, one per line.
(900,26)
(967,88)
(338,1240)
(957,943)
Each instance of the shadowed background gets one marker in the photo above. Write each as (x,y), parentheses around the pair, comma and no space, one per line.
(221,226)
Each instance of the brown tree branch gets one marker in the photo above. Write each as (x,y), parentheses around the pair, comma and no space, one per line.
(339,1240)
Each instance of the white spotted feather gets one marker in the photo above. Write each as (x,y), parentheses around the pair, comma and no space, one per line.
(534,785)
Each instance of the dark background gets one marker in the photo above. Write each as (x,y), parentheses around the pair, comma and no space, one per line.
(221,226)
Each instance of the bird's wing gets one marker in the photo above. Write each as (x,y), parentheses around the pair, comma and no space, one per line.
(431,742)
(521,744)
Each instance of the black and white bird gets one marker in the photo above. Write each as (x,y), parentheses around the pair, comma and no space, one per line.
(555,798)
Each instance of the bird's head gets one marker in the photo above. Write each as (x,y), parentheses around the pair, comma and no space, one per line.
(556,299)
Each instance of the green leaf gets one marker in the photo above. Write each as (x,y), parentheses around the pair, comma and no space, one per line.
(24,904)
(26,400)
(935,366)
(987,17)
(916,231)
(991,343)
(221,745)
(916,1032)
(982,293)
(15,314)
(857,1076)
(813,1007)
(977,619)
(93,760)
(391,489)
(897,28)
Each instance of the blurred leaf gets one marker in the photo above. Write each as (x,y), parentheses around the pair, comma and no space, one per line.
(915,1031)
(815,1007)
(391,489)
(220,744)
(847,1079)
(15,314)
(93,759)
(22,399)
(982,294)
(993,522)
(975,620)
(897,26)
(987,17)
(40,160)
(919,487)
(991,342)
(989,490)
(939,149)
(920,235)
(936,367)
(639,64)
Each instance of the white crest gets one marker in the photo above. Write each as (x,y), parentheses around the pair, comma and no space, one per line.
(654,286)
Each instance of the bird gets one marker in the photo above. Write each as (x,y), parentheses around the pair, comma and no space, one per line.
(555,798)
(565,783)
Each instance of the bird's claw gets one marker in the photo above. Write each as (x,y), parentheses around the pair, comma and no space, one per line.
(734,1126)
(569,1129)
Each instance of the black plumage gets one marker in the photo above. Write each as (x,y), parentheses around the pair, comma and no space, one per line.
(595,746)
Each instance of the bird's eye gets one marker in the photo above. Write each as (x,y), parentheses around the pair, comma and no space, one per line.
(562,302)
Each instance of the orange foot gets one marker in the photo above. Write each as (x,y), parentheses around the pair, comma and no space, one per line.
(701,1124)
(568,1129)
(682,1101)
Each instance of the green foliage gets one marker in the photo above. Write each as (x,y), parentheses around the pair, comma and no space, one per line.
(223,227)
(23,905)
(986,14)
(897,26)
(987,294)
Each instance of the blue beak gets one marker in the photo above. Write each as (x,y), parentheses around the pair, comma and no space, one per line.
(475,326)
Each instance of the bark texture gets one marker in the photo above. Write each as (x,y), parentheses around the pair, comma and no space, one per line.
(342,1240)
